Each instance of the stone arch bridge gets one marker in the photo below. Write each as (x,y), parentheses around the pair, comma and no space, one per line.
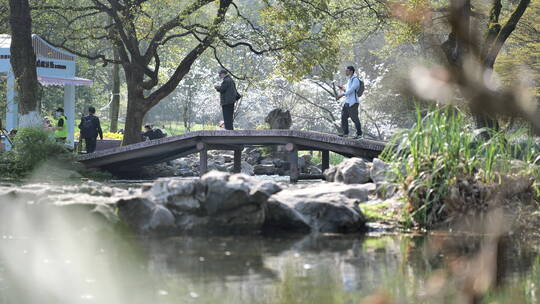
(127,158)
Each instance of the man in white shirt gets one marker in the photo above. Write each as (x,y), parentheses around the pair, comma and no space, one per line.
(350,108)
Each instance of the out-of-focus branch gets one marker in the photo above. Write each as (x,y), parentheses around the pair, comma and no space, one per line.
(469,70)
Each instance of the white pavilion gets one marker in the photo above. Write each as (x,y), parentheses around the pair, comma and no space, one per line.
(54,67)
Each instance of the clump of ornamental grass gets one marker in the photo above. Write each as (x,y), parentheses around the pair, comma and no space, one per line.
(31,147)
(35,151)
(448,170)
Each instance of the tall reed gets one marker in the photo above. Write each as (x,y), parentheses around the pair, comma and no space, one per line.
(442,148)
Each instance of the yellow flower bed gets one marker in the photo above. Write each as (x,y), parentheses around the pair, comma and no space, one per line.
(106,135)
(109,135)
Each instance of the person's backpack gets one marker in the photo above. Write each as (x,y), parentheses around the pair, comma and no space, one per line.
(158,133)
(237,96)
(87,127)
(361,88)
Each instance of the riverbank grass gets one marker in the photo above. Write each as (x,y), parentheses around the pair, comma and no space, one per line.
(384,211)
(448,169)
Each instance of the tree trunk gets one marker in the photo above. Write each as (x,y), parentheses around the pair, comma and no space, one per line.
(137,105)
(23,63)
(456,50)
(115,104)
(495,38)
(133,128)
(187,110)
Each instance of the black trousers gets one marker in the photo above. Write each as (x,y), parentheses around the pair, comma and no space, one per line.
(228,113)
(90,144)
(352,113)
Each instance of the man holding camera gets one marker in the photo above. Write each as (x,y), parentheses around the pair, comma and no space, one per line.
(352,98)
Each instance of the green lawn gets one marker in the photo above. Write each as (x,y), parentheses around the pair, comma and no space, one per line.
(171,127)
(176,128)
(334,158)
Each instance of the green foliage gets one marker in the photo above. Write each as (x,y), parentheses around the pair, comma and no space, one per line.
(36,152)
(263,126)
(409,23)
(174,128)
(441,149)
(266,151)
(308,36)
(316,34)
(381,212)
(34,145)
(335,158)
(522,50)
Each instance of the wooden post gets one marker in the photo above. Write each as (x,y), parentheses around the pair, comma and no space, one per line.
(293,160)
(203,161)
(237,167)
(325,160)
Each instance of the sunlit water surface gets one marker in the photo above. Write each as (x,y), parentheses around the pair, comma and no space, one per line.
(48,256)
(84,267)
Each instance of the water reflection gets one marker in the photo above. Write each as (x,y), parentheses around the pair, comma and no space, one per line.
(81,268)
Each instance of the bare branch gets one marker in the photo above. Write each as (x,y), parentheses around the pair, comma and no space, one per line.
(248,45)
(171,24)
(223,66)
(505,32)
(64,8)
(168,38)
(73,51)
(184,66)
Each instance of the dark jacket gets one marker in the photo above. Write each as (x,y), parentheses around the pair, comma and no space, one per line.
(154,134)
(227,91)
(94,127)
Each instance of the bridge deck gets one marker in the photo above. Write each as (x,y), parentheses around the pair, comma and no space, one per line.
(164,149)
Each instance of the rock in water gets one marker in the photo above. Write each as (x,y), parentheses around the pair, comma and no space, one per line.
(314,170)
(279,119)
(330,173)
(349,171)
(143,216)
(223,193)
(46,208)
(246,168)
(387,190)
(326,209)
(217,203)
(381,172)
(281,216)
(265,169)
(264,190)
(252,155)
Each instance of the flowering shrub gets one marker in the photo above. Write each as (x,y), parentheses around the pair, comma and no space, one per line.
(106,135)
(110,135)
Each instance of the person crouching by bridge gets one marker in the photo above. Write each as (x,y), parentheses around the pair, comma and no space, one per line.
(90,129)
(61,129)
(150,133)
(227,96)
(352,103)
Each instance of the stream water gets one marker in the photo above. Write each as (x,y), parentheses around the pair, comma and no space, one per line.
(51,259)
(84,267)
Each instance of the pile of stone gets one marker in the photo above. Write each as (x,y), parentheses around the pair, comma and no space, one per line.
(276,163)
(358,171)
(223,203)
(254,162)
(217,203)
